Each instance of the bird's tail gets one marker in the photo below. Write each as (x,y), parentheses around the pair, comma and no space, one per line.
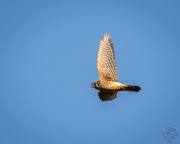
(130,88)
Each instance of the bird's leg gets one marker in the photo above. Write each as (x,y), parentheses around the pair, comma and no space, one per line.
(123,88)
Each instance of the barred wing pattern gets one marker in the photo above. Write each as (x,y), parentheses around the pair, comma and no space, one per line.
(106,64)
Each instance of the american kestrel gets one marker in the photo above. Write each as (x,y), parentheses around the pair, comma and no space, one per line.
(108,78)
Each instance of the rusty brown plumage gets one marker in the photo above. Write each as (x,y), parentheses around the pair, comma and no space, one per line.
(108,77)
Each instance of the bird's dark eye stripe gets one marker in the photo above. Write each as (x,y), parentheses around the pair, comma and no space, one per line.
(97,84)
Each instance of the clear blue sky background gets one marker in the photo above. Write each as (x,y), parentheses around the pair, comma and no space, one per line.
(48,53)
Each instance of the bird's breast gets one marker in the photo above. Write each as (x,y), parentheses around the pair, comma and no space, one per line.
(111,85)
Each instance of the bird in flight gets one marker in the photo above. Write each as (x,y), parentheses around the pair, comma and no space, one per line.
(108,78)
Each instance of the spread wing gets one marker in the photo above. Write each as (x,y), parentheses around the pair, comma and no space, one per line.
(107,95)
(106,64)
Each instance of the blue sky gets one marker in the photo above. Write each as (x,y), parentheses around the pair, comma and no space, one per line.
(48,53)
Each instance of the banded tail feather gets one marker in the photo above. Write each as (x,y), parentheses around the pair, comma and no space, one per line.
(131,88)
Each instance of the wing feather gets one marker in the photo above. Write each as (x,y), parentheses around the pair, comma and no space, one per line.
(107,95)
(106,64)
